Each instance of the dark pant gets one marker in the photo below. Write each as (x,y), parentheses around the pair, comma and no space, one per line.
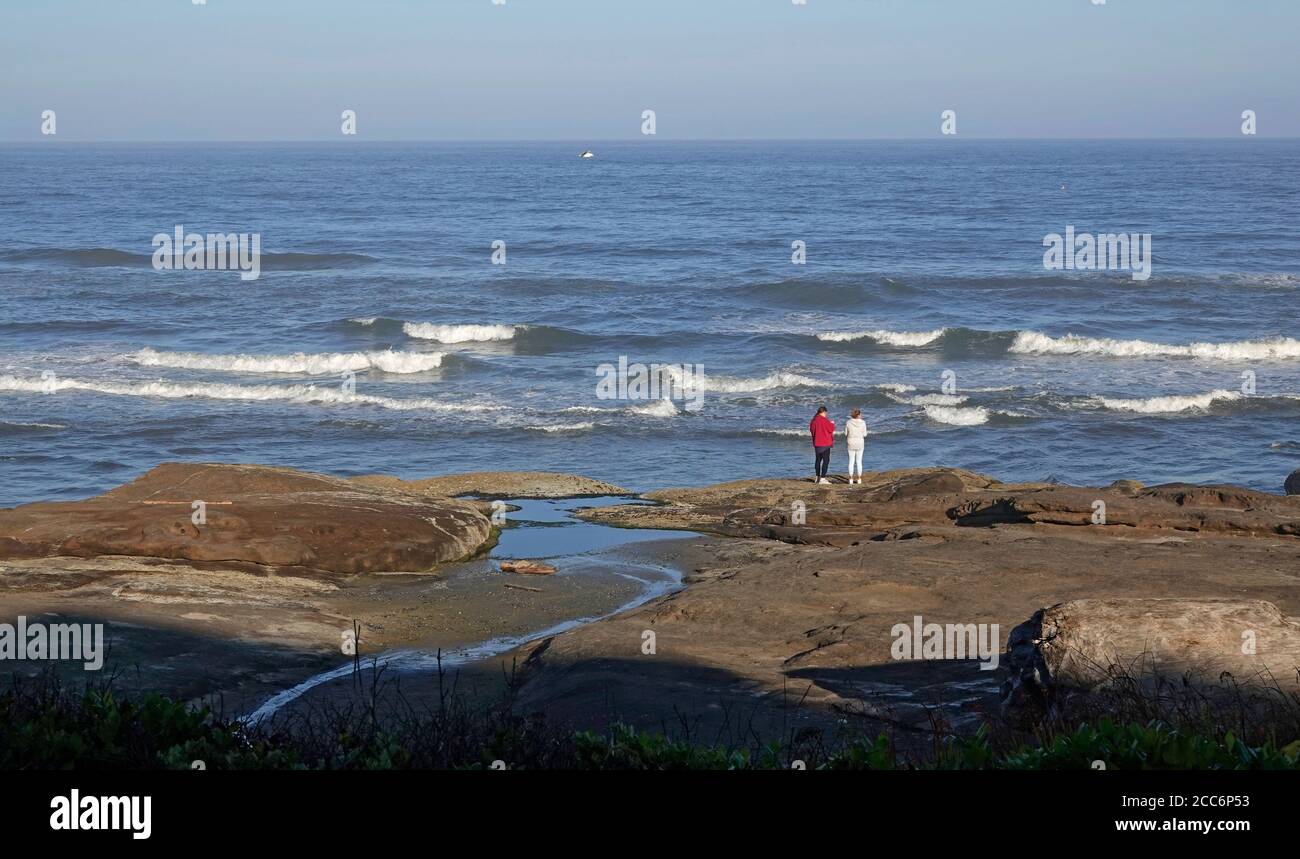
(823,463)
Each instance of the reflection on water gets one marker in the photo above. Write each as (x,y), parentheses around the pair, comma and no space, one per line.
(546,528)
(539,528)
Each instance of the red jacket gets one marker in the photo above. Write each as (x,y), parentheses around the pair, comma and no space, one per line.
(823,431)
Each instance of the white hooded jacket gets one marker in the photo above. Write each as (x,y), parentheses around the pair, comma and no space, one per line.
(855,434)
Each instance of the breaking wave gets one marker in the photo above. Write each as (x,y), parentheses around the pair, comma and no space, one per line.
(888,338)
(300,362)
(299,394)
(971,341)
(961,416)
(565,428)
(657,409)
(800,433)
(1167,404)
(459,333)
(735,384)
(1035,343)
(930,400)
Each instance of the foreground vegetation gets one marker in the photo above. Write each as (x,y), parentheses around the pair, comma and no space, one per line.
(45,725)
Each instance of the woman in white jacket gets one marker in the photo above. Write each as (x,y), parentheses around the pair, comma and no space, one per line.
(855,436)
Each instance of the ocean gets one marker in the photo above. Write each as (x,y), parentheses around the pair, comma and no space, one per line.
(429,308)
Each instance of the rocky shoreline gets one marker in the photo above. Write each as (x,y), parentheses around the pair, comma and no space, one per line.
(788,615)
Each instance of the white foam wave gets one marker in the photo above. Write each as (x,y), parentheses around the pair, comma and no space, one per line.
(459,333)
(662,408)
(555,428)
(736,384)
(889,338)
(331,363)
(657,409)
(1168,404)
(1036,343)
(931,400)
(967,416)
(302,394)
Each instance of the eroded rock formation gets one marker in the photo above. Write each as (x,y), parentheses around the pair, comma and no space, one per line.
(251,515)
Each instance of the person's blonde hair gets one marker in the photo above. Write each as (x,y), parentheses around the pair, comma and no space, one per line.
(857,413)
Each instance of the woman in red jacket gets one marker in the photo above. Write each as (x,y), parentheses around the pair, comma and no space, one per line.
(823,437)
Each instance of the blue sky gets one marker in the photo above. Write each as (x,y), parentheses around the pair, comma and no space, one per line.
(585,69)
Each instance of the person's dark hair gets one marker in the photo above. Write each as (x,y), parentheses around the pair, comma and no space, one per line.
(821,409)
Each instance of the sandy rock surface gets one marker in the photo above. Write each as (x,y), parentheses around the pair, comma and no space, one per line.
(499,484)
(255,515)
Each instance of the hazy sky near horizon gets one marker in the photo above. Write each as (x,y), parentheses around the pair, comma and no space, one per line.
(155,70)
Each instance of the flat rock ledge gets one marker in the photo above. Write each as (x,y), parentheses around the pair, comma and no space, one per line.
(498,484)
(895,504)
(279,518)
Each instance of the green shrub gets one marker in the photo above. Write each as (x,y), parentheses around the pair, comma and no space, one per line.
(44,727)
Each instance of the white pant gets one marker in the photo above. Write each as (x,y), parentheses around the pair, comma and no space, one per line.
(855,461)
